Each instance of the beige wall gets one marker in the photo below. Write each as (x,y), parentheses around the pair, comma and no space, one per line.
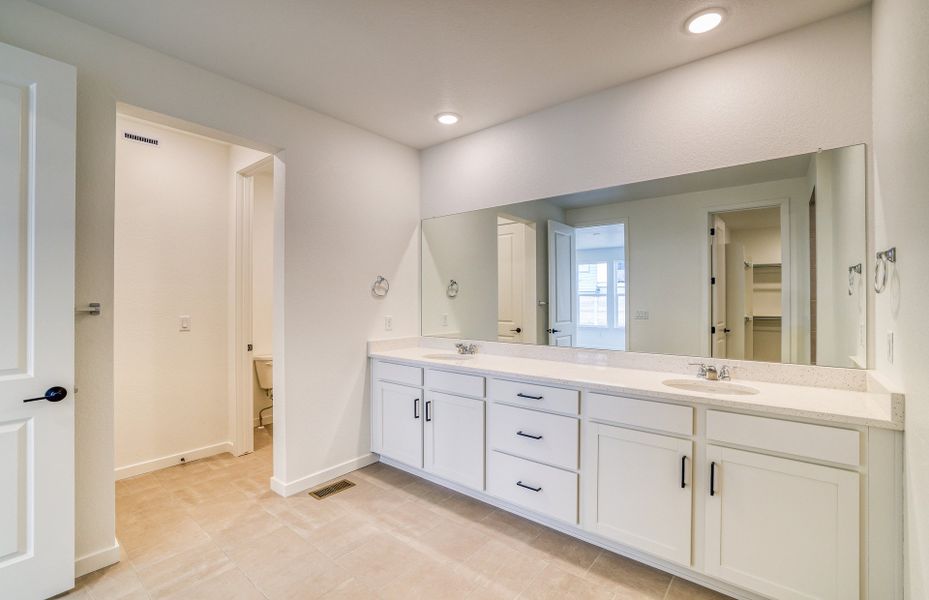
(262,279)
(351,213)
(171,258)
(901,189)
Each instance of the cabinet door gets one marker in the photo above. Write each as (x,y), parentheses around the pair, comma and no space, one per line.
(397,420)
(783,528)
(639,490)
(454,438)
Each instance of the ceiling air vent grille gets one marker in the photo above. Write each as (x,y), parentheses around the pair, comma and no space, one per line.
(140,138)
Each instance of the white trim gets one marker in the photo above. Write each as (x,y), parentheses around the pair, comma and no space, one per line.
(577,532)
(169,461)
(314,479)
(97,560)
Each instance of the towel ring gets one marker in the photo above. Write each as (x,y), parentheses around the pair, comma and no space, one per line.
(380,287)
(880,268)
(851,277)
(452,290)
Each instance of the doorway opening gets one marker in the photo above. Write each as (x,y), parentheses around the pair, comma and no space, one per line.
(194,247)
(748,284)
(601,286)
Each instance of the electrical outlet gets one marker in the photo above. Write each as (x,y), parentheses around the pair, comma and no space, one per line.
(184,323)
(388,323)
(890,347)
(444,320)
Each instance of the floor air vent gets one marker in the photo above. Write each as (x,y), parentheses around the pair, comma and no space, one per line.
(332,488)
(140,138)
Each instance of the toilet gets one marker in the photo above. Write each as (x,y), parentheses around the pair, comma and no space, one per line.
(264,368)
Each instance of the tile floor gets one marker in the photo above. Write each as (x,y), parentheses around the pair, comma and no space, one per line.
(212,529)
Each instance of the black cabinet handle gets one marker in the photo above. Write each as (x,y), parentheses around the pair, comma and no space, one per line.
(517,330)
(712,479)
(529,435)
(52,394)
(416,408)
(522,395)
(684,471)
(528,487)
(428,416)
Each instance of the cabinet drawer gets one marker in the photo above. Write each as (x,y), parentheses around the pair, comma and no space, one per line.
(456,383)
(802,439)
(534,396)
(641,413)
(544,437)
(539,488)
(404,374)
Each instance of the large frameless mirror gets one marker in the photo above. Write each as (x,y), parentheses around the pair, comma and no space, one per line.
(762,261)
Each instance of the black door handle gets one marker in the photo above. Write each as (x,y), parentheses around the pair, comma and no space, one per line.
(727,330)
(416,408)
(428,404)
(553,330)
(52,394)
(517,330)
(712,479)
(684,471)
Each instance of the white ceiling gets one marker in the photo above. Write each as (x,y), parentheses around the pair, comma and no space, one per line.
(600,236)
(390,65)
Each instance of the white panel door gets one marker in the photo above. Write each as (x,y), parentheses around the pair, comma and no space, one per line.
(398,423)
(511,281)
(562,284)
(37,169)
(782,528)
(454,438)
(718,288)
(639,490)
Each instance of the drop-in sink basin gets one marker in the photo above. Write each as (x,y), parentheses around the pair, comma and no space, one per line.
(449,356)
(710,387)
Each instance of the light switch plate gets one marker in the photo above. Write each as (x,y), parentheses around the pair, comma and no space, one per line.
(184,323)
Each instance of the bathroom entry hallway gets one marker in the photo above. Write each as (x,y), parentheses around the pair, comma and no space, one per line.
(193,295)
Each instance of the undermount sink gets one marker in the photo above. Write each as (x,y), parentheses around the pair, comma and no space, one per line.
(710,387)
(449,356)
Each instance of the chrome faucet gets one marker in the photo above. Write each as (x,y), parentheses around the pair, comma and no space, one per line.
(712,373)
(466,348)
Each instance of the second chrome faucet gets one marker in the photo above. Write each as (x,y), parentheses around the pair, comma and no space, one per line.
(712,373)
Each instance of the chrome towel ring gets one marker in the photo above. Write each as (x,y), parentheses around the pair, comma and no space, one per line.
(452,290)
(881,268)
(380,287)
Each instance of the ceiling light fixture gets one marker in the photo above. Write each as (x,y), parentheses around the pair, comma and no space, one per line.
(705,20)
(447,118)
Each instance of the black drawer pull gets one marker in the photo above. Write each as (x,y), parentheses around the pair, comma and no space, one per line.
(529,435)
(522,395)
(712,479)
(528,487)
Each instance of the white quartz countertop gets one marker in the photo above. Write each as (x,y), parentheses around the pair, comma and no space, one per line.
(875,409)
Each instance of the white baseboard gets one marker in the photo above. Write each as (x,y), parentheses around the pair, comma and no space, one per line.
(268,420)
(304,483)
(96,560)
(169,461)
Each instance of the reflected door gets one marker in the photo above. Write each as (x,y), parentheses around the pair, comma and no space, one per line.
(719,330)
(511,285)
(37,125)
(562,286)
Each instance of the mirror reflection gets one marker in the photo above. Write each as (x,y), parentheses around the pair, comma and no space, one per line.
(761,261)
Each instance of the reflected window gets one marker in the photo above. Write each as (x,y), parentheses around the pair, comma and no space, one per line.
(593,291)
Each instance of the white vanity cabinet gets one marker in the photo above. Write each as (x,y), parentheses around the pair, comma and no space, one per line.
(639,490)
(454,438)
(439,432)
(783,527)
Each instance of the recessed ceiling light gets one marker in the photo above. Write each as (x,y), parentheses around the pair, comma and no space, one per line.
(706,20)
(447,118)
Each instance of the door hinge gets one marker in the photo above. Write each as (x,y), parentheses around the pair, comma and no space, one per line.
(249,348)
(713,329)
(712,281)
(712,231)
